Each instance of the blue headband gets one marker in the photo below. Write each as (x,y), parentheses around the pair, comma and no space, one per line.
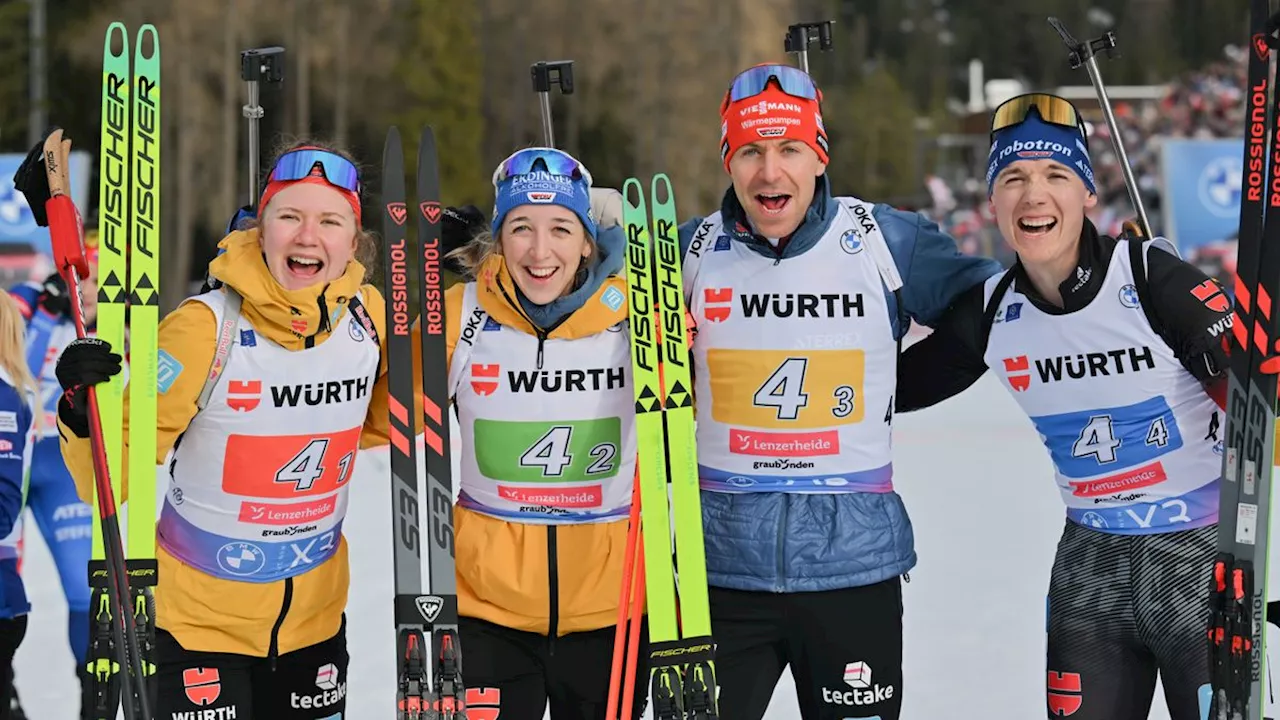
(539,187)
(1035,139)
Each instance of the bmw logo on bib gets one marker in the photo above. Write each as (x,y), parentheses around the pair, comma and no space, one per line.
(241,558)
(851,242)
(1129,296)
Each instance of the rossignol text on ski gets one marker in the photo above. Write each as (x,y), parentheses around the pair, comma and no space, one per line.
(428,653)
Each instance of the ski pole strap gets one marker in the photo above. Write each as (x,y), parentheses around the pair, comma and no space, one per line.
(231,303)
(362,316)
(682,652)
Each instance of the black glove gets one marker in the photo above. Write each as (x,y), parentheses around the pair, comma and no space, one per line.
(33,183)
(84,363)
(457,227)
(54,296)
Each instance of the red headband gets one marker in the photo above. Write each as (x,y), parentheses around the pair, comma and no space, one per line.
(315,178)
(770,115)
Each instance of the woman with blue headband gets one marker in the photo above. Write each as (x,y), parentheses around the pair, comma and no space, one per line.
(540,371)
(1114,350)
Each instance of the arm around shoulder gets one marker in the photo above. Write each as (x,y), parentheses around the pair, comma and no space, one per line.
(934,272)
(948,360)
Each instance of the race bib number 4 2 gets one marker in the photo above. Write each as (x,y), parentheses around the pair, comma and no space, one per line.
(779,389)
(569,451)
(287,466)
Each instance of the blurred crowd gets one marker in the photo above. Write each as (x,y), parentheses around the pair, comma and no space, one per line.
(1207,103)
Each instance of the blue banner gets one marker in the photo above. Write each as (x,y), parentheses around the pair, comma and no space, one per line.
(1201,198)
(17,224)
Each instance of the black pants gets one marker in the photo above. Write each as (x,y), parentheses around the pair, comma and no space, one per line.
(12,631)
(306,684)
(512,675)
(1123,608)
(844,648)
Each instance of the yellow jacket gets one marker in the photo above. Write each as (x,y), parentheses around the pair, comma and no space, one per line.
(504,568)
(210,614)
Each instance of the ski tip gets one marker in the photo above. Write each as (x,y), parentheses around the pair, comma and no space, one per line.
(662,181)
(393,135)
(144,32)
(629,186)
(112,30)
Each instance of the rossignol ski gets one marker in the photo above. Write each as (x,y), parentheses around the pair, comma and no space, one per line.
(121,668)
(681,650)
(428,654)
(1239,583)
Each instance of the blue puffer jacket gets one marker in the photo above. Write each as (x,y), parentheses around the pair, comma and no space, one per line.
(780,542)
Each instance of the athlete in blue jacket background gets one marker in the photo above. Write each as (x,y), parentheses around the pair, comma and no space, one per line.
(18,391)
(65,522)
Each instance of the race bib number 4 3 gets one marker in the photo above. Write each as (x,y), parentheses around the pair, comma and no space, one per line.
(786,390)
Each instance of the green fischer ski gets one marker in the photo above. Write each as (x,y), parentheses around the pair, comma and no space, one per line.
(104,656)
(681,649)
(144,322)
(128,277)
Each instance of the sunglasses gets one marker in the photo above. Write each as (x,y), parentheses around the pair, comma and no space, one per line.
(753,81)
(303,162)
(555,162)
(1052,109)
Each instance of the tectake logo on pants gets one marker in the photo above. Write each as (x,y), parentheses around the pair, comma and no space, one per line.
(331,691)
(857,675)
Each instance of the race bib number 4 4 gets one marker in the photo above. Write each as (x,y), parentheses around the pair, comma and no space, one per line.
(287,466)
(786,390)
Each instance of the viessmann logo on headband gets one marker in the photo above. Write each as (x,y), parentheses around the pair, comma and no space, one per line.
(764,107)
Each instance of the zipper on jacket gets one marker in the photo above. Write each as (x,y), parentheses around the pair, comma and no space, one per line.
(553,587)
(782,545)
(274,651)
(537,331)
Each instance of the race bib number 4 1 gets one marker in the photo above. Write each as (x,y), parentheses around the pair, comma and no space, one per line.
(786,390)
(286,466)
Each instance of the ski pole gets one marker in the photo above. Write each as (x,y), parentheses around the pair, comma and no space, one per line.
(545,73)
(1086,53)
(258,65)
(801,35)
(65,231)
(623,661)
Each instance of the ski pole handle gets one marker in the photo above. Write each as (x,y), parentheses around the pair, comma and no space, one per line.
(801,35)
(544,74)
(1085,53)
(257,65)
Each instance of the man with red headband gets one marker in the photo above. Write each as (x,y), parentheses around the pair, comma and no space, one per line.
(801,301)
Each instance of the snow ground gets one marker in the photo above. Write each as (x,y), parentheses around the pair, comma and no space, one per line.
(987,518)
